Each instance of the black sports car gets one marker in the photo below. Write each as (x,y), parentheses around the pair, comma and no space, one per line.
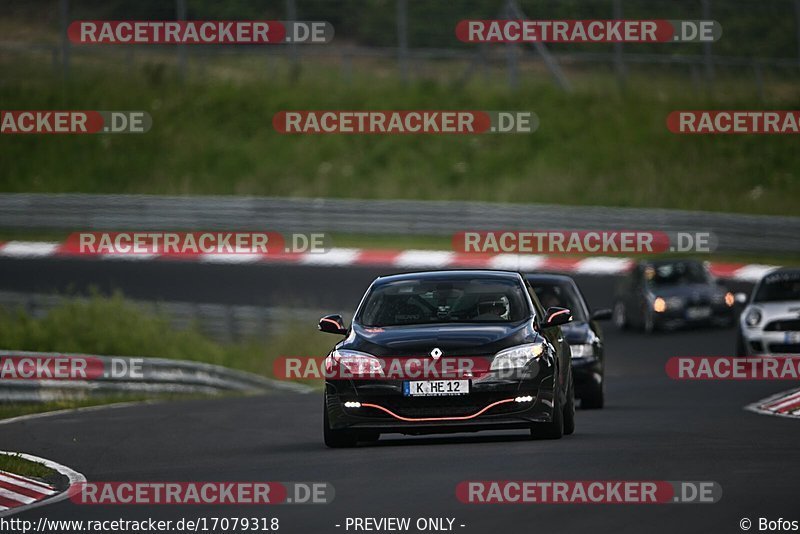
(484,354)
(670,294)
(583,334)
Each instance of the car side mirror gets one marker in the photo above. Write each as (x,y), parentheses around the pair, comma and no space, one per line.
(556,317)
(740,298)
(603,314)
(332,324)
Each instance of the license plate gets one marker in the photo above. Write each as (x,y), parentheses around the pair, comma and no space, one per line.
(698,313)
(435,388)
(791,338)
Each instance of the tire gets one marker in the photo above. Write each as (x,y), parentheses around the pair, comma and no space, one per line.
(649,323)
(595,399)
(620,316)
(336,439)
(569,409)
(741,349)
(555,428)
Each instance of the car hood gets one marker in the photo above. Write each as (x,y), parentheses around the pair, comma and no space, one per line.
(454,340)
(779,309)
(577,332)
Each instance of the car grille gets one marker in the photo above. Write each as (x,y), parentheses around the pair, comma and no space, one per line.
(783,325)
(785,348)
(441,406)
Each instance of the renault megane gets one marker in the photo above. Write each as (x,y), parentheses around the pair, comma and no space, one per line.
(448,351)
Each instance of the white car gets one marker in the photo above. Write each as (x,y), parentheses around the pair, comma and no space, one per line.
(770,324)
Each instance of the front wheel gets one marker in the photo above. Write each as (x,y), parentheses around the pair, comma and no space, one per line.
(555,428)
(594,399)
(649,323)
(620,316)
(569,409)
(741,349)
(336,439)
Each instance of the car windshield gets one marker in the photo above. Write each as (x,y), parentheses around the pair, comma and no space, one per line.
(430,301)
(676,273)
(779,286)
(552,294)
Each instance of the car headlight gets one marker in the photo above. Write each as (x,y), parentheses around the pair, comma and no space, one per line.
(753,317)
(659,305)
(358,363)
(582,350)
(516,357)
(730,299)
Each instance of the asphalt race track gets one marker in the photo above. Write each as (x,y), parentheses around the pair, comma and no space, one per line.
(653,428)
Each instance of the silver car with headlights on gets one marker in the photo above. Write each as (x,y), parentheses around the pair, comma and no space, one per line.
(770,324)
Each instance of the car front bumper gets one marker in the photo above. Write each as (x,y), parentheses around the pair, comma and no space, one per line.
(720,315)
(760,342)
(490,404)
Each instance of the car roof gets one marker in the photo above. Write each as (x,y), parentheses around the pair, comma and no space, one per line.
(782,270)
(454,274)
(792,270)
(548,277)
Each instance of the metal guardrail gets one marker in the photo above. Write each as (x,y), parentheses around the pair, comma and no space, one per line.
(82,212)
(158,375)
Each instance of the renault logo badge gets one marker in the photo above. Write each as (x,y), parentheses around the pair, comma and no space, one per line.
(436,353)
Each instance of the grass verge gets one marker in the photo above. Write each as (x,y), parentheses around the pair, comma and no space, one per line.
(113,326)
(213,135)
(13,463)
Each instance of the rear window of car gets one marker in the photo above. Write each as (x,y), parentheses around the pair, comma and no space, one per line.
(432,301)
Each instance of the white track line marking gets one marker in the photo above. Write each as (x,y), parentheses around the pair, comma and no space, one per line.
(28,249)
(603,265)
(517,262)
(404,259)
(335,256)
(423,258)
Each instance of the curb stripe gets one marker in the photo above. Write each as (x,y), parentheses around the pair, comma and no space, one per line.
(12,502)
(785,404)
(30,485)
(23,491)
(30,481)
(401,259)
(16,490)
